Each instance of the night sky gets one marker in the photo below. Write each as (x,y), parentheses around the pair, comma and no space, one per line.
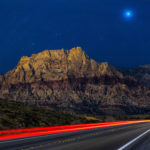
(116,31)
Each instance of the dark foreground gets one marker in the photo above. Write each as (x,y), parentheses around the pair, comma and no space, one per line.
(109,138)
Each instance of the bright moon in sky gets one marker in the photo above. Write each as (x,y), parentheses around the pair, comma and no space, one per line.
(128,14)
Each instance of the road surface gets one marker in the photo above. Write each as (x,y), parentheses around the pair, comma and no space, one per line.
(123,137)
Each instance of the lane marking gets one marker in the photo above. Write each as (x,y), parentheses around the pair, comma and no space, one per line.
(72,139)
(35,137)
(132,141)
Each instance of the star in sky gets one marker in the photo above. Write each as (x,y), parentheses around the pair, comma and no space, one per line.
(128,14)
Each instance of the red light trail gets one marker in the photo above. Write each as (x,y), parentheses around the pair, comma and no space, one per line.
(31,132)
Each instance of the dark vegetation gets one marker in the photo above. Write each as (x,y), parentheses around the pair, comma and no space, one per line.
(15,115)
(109,118)
(18,115)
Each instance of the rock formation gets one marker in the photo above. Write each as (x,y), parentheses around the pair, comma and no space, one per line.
(69,80)
(141,73)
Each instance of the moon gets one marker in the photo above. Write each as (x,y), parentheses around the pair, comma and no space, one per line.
(128,14)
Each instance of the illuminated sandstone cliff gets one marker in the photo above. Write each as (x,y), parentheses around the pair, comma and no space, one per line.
(69,80)
(52,65)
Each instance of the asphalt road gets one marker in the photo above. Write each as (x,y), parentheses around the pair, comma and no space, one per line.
(125,137)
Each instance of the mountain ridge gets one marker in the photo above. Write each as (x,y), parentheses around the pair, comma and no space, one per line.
(140,73)
(70,80)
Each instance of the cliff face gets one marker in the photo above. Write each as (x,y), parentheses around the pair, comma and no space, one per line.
(141,73)
(69,80)
(51,65)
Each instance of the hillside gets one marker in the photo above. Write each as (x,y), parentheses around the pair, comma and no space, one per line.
(141,74)
(70,81)
(15,115)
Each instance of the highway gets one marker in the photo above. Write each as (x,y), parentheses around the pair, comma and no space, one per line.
(122,137)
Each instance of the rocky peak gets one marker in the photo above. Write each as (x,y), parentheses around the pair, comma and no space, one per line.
(23,60)
(70,80)
(51,65)
(141,73)
(77,55)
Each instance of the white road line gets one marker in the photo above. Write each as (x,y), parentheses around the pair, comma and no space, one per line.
(132,141)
